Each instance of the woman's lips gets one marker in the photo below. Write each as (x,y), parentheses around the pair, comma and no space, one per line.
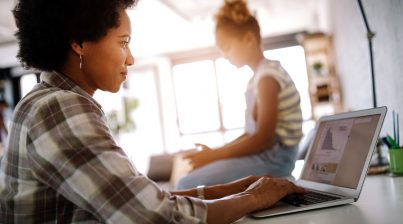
(124,75)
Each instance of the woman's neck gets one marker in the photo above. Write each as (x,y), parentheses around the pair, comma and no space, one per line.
(77,77)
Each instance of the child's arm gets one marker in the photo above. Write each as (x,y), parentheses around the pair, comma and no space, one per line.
(266,120)
(265,114)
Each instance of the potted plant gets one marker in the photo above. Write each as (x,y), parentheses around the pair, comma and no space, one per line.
(318,68)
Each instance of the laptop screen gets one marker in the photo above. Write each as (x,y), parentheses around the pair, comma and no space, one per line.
(339,151)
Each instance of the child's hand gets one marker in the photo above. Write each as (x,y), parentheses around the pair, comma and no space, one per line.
(204,156)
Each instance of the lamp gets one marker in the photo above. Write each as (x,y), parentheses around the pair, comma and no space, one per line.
(370,35)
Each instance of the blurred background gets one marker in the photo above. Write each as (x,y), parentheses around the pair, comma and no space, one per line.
(181,91)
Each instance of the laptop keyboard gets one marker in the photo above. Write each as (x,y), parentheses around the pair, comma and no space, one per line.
(308,198)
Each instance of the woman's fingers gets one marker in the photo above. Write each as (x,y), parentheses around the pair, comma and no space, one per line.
(268,191)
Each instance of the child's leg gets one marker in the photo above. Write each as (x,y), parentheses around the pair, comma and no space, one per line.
(276,161)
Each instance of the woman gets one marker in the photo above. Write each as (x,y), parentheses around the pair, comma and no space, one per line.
(273,126)
(61,163)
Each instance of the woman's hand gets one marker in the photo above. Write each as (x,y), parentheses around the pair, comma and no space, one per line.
(261,194)
(267,191)
(234,187)
(203,157)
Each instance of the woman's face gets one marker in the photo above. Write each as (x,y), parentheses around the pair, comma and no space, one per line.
(104,63)
(233,48)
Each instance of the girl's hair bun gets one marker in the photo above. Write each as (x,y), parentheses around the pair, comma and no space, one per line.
(234,10)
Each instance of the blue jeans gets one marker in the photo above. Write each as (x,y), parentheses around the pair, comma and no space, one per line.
(278,161)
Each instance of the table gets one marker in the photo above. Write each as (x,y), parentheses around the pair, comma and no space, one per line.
(381,201)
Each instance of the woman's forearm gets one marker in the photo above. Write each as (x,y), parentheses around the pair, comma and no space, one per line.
(211,192)
(224,210)
(252,195)
(230,209)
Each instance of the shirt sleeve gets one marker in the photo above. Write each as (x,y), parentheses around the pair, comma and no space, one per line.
(72,151)
(274,70)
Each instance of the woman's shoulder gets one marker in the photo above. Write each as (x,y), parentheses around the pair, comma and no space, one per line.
(51,100)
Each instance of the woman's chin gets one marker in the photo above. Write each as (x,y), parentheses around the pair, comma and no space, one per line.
(114,89)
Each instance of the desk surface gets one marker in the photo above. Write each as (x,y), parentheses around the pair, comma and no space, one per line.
(381,201)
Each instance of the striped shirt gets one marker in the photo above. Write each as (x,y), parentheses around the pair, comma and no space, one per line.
(289,119)
(62,165)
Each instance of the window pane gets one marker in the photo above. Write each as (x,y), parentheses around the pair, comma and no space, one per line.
(27,82)
(145,139)
(211,139)
(196,97)
(232,135)
(232,84)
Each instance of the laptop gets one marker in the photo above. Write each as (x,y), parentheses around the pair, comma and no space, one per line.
(336,163)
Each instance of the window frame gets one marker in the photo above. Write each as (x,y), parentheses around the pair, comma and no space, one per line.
(212,54)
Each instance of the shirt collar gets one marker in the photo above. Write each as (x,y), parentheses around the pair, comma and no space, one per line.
(61,81)
(261,63)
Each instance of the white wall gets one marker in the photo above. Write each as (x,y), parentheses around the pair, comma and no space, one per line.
(8,55)
(352,54)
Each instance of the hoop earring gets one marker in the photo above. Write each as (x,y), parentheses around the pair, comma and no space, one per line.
(81,62)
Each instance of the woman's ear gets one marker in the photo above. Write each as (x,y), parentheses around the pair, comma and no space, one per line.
(77,48)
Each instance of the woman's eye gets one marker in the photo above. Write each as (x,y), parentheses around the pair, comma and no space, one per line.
(124,44)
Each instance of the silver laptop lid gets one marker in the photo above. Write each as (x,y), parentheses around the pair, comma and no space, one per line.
(340,153)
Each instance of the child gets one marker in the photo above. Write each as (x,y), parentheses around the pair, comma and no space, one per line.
(273,119)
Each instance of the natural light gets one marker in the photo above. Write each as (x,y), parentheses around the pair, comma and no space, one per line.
(198,101)
(209,104)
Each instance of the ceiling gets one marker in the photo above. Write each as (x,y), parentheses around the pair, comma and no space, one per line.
(161,26)
(177,25)
(271,14)
(191,9)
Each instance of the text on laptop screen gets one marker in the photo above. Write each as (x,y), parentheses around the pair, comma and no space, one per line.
(339,151)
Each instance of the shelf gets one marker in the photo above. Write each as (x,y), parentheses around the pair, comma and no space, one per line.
(324,88)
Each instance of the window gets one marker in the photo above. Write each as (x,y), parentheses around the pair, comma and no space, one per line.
(210,96)
(232,85)
(199,101)
(136,108)
(196,97)
(26,83)
(210,101)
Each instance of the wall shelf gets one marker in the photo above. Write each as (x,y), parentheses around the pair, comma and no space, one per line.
(324,87)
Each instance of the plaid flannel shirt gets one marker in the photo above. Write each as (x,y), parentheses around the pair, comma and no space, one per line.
(61,165)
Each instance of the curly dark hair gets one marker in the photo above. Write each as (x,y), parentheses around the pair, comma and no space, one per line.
(46,28)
